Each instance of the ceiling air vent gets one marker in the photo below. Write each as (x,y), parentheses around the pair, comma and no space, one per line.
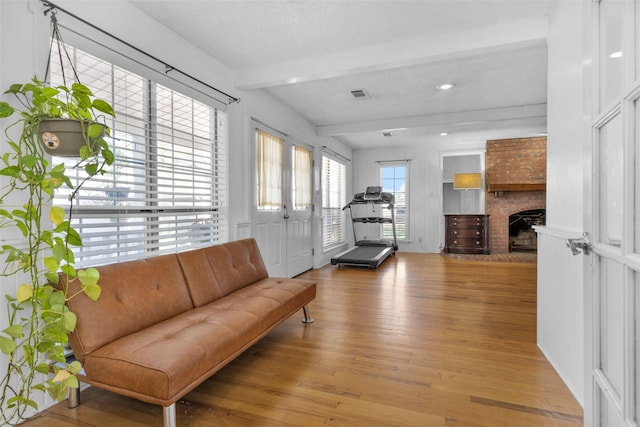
(359,94)
(387,134)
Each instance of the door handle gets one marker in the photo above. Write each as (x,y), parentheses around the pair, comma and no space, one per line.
(581,244)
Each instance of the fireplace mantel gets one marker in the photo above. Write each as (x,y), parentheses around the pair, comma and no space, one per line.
(499,188)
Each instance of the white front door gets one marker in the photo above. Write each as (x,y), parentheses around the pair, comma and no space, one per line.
(282,219)
(612,305)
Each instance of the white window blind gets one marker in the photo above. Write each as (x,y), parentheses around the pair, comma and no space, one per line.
(166,190)
(301,191)
(333,200)
(270,157)
(394,179)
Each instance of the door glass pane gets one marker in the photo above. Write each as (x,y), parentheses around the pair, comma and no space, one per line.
(301,182)
(610,345)
(610,162)
(611,12)
(270,160)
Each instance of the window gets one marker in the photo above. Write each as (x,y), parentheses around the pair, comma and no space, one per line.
(333,200)
(301,191)
(166,188)
(394,179)
(270,160)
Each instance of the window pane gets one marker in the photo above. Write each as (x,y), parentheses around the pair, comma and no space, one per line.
(301,178)
(394,181)
(610,188)
(166,188)
(333,200)
(611,14)
(270,157)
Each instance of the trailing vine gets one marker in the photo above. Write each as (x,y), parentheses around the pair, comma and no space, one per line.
(40,254)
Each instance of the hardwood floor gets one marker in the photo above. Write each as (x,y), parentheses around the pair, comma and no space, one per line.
(425,340)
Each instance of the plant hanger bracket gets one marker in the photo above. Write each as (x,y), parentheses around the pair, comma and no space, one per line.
(56,38)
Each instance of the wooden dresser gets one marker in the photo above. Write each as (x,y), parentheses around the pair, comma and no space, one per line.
(466,234)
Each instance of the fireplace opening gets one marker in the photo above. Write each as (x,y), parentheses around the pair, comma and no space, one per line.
(522,236)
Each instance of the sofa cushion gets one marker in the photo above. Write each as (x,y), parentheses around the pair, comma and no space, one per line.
(135,295)
(218,270)
(166,360)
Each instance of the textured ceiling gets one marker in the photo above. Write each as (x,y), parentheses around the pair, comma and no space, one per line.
(310,53)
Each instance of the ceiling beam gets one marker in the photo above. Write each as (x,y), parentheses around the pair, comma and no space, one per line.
(460,118)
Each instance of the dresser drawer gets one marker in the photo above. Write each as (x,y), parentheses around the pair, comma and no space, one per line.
(470,232)
(466,221)
(467,243)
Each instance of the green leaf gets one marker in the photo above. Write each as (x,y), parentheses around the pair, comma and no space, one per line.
(103,107)
(90,276)
(71,382)
(28,161)
(69,321)
(83,99)
(57,215)
(91,169)
(52,263)
(15,331)
(50,92)
(7,346)
(73,238)
(14,88)
(43,368)
(57,299)
(74,367)
(24,293)
(5,110)
(92,291)
(12,171)
(95,130)
(80,88)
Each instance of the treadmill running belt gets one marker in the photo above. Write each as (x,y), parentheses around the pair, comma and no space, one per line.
(370,256)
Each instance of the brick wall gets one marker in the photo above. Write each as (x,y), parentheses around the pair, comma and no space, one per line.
(513,161)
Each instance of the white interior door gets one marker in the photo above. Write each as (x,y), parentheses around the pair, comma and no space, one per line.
(282,219)
(612,306)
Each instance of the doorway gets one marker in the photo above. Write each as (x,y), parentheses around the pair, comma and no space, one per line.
(282,220)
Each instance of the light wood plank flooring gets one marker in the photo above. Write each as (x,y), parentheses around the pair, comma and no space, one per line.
(425,340)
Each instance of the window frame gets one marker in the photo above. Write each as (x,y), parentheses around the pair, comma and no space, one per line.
(342,238)
(193,217)
(395,164)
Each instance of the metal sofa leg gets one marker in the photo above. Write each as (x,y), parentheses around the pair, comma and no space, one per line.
(307,318)
(169,415)
(74,397)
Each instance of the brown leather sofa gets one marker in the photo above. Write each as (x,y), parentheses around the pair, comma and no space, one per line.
(163,325)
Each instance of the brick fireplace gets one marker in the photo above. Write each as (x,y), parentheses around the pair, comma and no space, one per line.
(515,175)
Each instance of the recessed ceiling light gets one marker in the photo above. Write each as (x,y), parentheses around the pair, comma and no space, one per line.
(444,133)
(617,54)
(446,86)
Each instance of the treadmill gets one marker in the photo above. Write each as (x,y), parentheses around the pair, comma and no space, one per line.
(369,253)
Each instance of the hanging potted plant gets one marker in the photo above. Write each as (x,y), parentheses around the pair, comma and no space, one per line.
(38,317)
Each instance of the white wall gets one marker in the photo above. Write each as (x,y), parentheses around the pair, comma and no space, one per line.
(24,33)
(560,274)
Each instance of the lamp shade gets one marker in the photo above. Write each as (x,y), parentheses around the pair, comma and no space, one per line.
(467,181)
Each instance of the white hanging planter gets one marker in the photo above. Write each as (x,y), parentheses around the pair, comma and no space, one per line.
(64,137)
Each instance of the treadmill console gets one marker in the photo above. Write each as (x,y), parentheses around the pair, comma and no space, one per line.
(373,193)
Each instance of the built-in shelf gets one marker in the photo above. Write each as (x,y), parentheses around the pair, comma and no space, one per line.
(495,188)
